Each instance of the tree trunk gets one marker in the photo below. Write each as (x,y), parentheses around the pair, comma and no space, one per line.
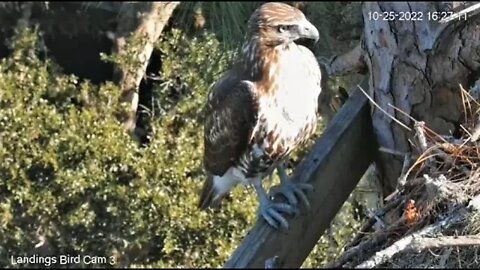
(139,27)
(416,66)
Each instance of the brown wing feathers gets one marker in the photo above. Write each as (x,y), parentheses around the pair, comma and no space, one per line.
(231,116)
(228,126)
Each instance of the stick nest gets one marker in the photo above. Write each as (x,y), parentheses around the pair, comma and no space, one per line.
(436,198)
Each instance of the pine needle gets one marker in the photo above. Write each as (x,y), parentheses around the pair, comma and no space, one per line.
(381,109)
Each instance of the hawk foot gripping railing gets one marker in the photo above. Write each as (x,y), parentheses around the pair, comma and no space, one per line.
(334,166)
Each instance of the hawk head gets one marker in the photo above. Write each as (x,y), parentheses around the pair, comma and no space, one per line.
(278,23)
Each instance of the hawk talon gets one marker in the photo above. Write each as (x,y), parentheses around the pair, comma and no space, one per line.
(291,191)
(270,212)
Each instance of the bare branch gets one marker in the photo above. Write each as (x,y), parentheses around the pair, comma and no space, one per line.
(391,151)
(419,128)
(444,241)
(352,250)
(351,61)
(152,18)
(405,172)
(408,242)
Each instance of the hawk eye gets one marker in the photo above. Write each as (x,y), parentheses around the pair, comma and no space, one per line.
(283,28)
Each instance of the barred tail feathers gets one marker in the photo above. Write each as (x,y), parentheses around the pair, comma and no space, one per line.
(215,189)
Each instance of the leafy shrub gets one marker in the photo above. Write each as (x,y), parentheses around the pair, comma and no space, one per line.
(74,183)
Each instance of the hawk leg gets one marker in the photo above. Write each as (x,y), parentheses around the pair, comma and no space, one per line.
(290,189)
(269,210)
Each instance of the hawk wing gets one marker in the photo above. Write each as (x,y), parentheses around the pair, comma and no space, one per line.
(231,115)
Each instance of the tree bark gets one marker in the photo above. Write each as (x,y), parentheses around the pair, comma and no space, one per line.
(416,66)
(144,22)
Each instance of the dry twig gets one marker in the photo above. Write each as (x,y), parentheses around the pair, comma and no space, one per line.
(444,241)
(407,242)
(381,109)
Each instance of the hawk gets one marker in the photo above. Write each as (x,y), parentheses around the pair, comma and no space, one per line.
(262,109)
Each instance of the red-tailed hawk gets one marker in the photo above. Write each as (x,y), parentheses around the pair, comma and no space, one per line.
(262,109)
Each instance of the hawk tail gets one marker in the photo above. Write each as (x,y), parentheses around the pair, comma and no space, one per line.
(214,190)
(207,194)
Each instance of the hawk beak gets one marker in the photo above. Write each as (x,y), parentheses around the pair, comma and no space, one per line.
(307,30)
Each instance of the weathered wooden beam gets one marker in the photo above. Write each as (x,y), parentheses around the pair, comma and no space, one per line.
(334,166)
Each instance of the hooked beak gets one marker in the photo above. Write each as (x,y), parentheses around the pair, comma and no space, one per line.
(307,30)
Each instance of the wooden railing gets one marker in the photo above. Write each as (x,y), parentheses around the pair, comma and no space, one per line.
(334,166)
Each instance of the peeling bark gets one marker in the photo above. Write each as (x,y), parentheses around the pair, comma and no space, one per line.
(416,66)
(144,21)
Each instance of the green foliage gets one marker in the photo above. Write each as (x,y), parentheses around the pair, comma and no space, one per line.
(64,160)
(339,23)
(74,181)
(189,67)
(228,20)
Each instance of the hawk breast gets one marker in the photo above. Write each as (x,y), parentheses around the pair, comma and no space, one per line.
(288,117)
